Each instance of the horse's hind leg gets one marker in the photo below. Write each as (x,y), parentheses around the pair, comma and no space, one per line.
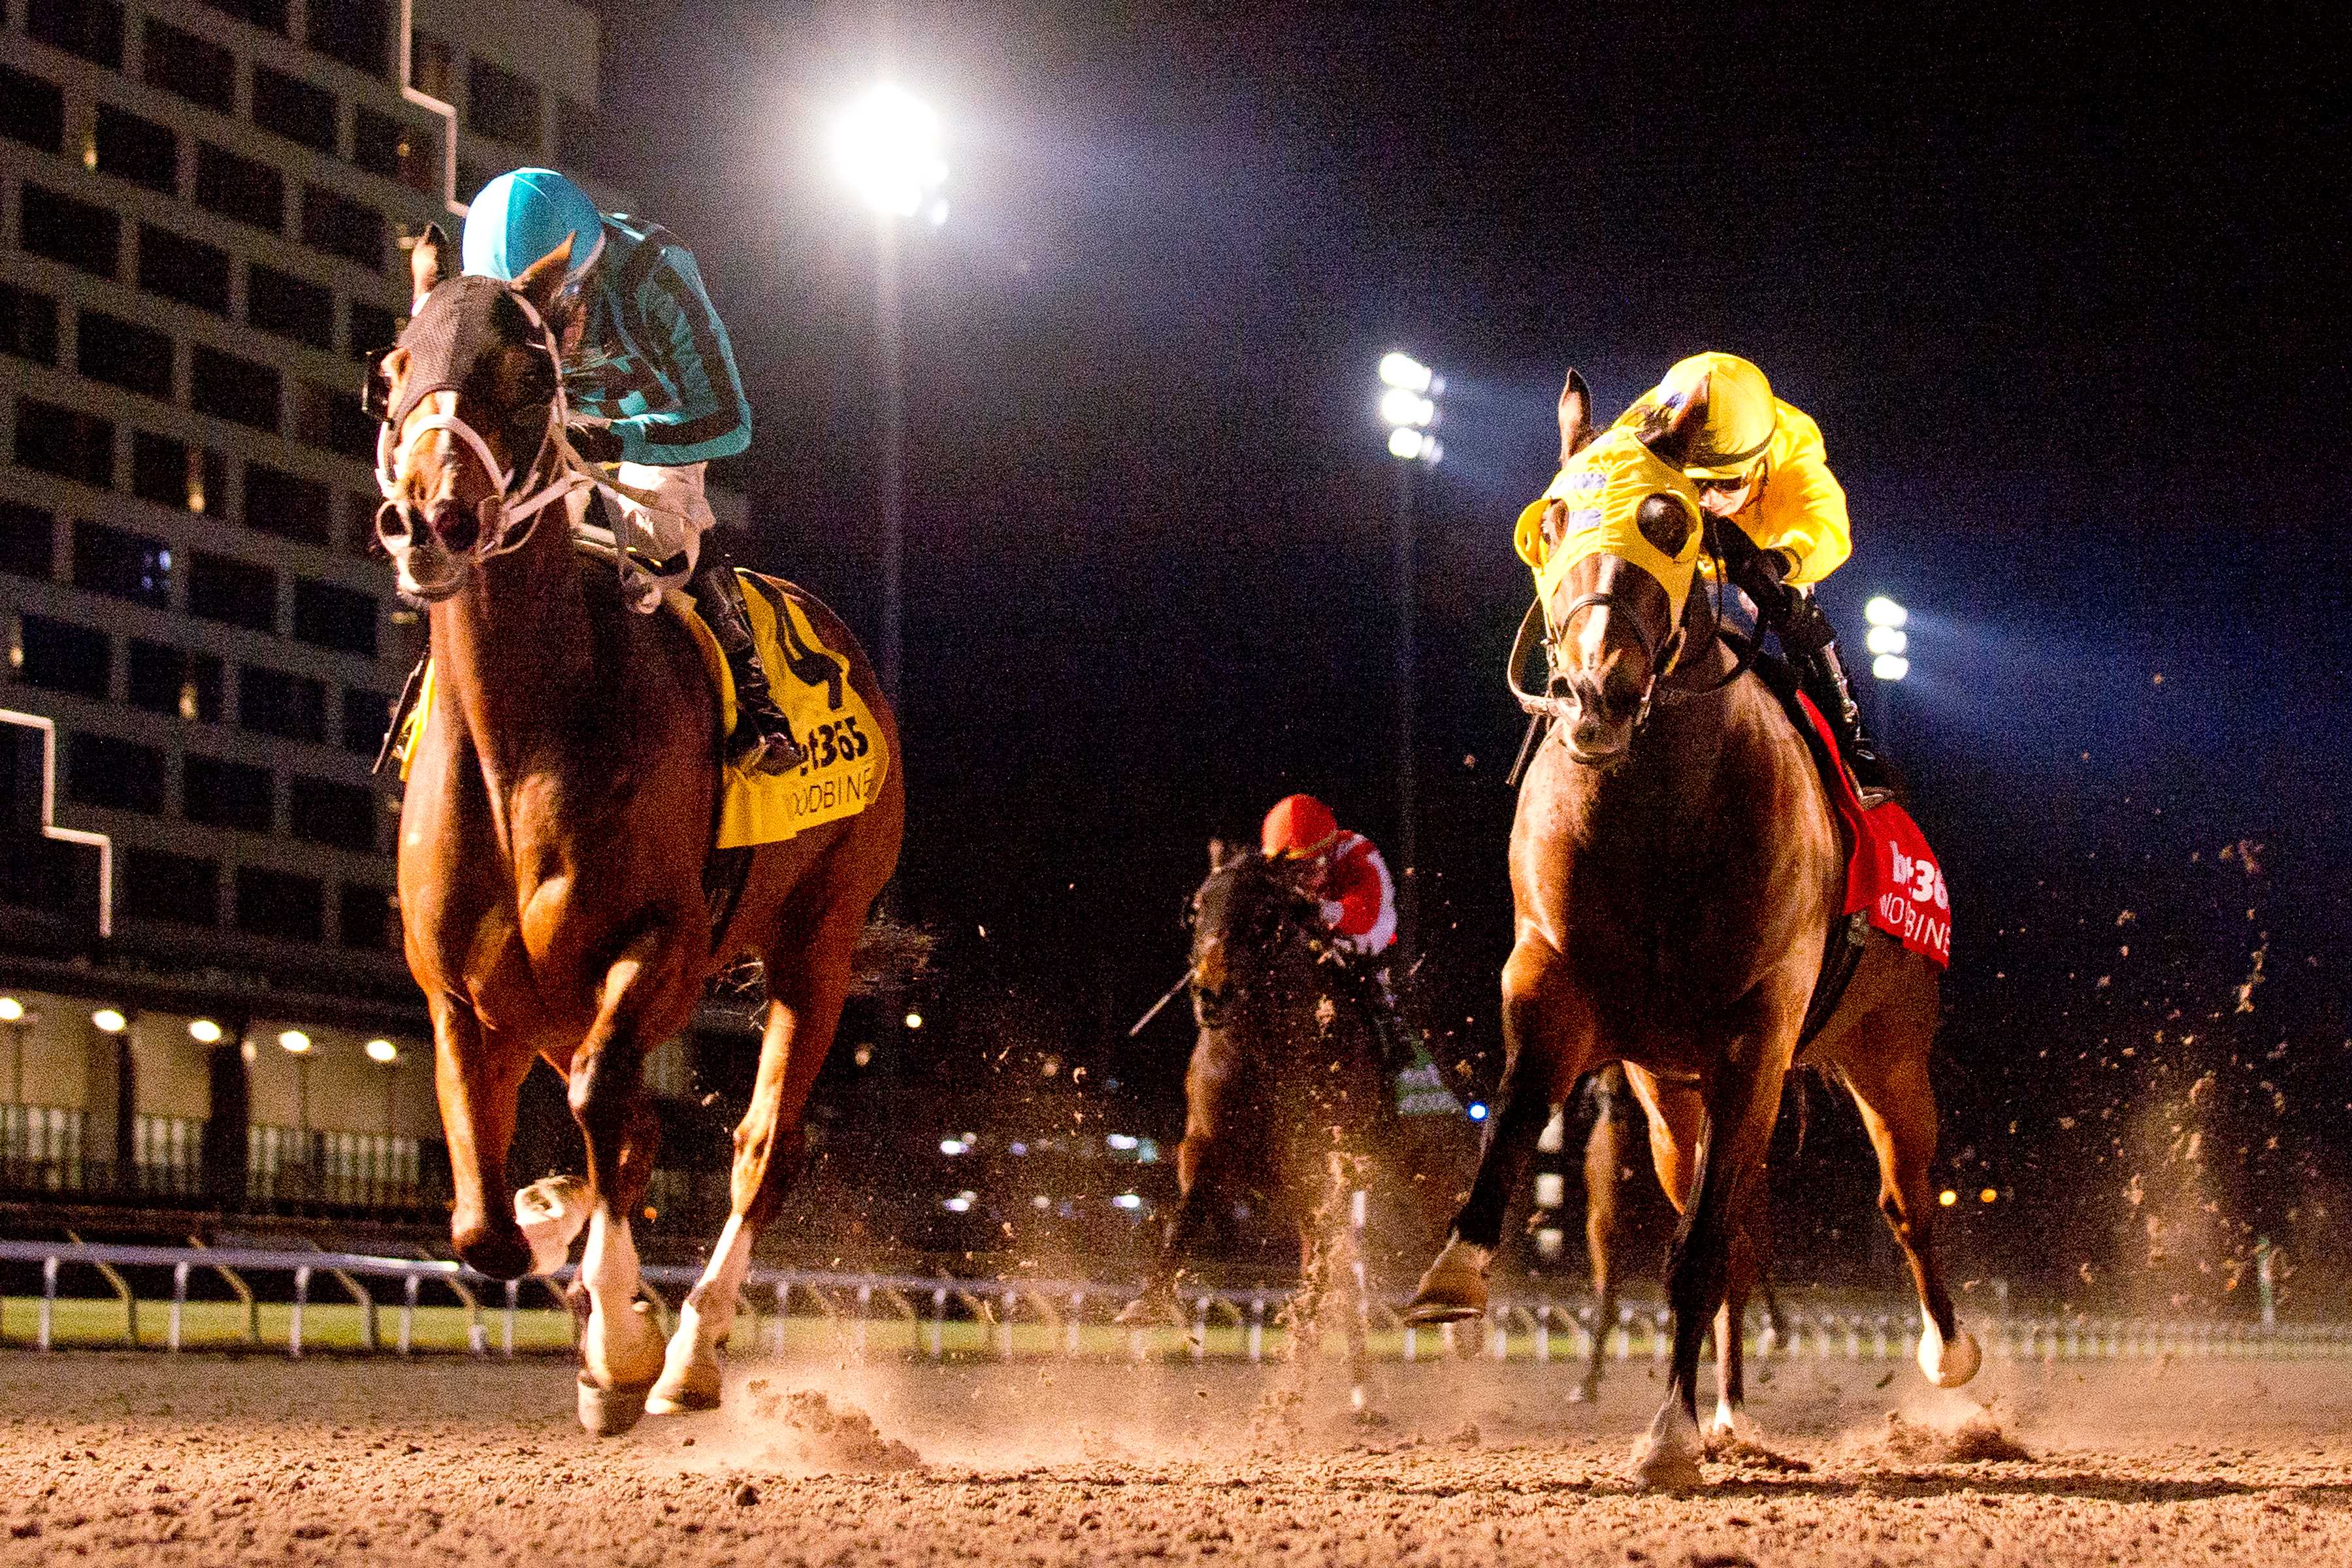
(804,1003)
(620,1347)
(1898,1110)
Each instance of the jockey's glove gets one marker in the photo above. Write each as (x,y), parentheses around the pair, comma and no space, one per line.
(595,443)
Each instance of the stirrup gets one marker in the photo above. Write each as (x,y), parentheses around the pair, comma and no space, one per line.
(761,752)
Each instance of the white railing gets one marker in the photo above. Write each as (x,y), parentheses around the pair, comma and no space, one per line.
(1064,1315)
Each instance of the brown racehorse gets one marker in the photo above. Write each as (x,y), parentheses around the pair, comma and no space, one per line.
(559,814)
(1675,871)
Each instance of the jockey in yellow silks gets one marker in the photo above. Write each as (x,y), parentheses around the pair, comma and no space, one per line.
(1758,463)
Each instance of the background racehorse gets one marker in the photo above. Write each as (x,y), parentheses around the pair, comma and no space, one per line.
(1283,1098)
(1675,871)
(560,811)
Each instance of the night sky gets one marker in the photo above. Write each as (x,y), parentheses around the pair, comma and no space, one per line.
(2066,299)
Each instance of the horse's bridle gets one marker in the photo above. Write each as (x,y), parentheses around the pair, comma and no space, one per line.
(517,514)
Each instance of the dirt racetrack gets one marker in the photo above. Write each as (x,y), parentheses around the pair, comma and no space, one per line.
(108,1458)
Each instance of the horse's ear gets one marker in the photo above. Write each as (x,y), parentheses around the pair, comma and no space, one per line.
(1670,427)
(1217,854)
(543,281)
(1575,417)
(427,265)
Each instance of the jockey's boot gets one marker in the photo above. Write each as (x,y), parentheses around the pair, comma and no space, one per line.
(762,739)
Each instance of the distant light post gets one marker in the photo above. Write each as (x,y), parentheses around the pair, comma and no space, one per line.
(1890,655)
(886,149)
(1410,391)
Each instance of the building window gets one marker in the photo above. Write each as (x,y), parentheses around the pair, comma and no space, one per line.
(294,109)
(277,502)
(366,716)
(124,354)
(334,617)
(28,547)
(28,324)
(501,105)
(196,69)
(158,885)
(137,150)
(118,775)
(169,680)
(279,904)
(353,31)
(121,564)
(272,703)
(269,16)
(395,149)
(289,307)
(226,794)
(90,28)
(75,232)
(341,227)
(172,474)
(241,188)
(64,442)
(331,418)
(59,655)
(432,64)
(230,388)
(182,269)
(368,919)
(221,589)
(338,815)
(372,328)
(32,111)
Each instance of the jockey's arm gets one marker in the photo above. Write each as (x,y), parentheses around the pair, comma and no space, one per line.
(1358,899)
(711,417)
(1803,511)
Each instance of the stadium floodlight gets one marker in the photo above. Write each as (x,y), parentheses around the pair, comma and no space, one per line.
(1883,611)
(1401,369)
(1890,667)
(204,1031)
(382,1051)
(109,1020)
(294,1042)
(1402,406)
(1886,639)
(886,149)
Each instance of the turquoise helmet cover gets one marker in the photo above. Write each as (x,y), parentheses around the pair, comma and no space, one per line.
(520,216)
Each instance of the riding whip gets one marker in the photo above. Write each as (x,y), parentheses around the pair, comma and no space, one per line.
(1167,996)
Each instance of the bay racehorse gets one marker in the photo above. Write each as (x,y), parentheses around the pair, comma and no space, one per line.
(1284,1097)
(1676,869)
(559,814)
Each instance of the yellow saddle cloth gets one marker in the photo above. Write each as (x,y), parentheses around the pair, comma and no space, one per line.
(847,756)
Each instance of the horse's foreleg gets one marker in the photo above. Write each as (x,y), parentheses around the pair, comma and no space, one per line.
(477,1083)
(620,1347)
(1198,1182)
(1898,1110)
(1729,1159)
(804,1006)
(1539,1064)
(1603,1159)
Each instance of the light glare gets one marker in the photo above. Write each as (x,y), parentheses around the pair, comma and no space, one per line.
(382,1051)
(294,1041)
(110,1021)
(1400,406)
(1885,639)
(1890,667)
(1883,611)
(914,1019)
(885,148)
(1401,369)
(1405,442)
(11,1010)
(1128,1201)
(204,1031)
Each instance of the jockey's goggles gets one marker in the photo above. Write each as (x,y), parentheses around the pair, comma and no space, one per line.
(1731,484)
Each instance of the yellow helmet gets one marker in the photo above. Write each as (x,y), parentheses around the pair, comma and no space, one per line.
(1740,416)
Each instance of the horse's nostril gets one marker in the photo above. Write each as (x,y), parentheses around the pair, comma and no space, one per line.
(457,526)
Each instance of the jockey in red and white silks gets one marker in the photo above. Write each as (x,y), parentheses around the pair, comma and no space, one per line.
(1341,870)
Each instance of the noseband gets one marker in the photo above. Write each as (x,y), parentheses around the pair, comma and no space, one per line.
(443,354)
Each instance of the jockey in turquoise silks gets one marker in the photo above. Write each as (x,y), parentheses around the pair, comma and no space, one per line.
(654,395)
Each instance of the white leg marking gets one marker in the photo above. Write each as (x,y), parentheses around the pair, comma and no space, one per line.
(690,1378)
(620,1345)
(1948,1365)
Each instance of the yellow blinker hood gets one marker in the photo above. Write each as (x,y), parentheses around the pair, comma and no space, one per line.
(1603,488)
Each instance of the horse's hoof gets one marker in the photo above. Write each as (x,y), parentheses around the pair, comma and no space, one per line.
(1452,1289)
(1732,1424)
(688,1382)
(1666,1457)
(1948,1365)
(609,1412)
(551,1213)
(1584,1394)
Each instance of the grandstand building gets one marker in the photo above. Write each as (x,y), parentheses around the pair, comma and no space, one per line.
(201,210)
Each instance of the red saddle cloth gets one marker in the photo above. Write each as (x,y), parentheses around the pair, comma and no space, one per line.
(1890,871)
